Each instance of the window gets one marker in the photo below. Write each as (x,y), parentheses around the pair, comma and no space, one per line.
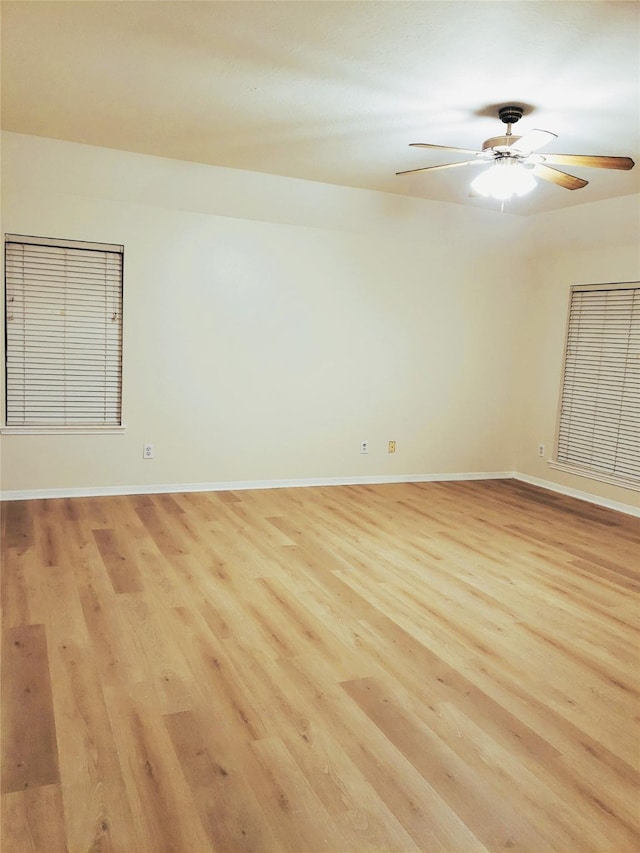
(599,430)
(63,342)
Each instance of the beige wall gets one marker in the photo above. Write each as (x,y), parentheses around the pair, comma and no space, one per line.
(265,344)
(271,324)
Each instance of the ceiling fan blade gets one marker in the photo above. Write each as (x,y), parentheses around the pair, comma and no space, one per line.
(533,140)
(443,147)
(444,166)
(569,182)
(589,160)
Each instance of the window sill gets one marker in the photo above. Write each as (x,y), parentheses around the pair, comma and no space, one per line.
(610,479)
(62,430)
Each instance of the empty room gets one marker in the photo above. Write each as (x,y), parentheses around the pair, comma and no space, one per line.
(320,429)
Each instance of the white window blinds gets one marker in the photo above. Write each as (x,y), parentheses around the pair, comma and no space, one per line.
(600,407)
(63,333)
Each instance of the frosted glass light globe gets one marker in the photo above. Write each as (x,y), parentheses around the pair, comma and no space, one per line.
(503,180)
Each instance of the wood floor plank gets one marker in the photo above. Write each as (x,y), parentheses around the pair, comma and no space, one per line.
(218,682)
(14,590)
(165,817)
(33,821)
(471,795)
(118,561)
(294,811)
(228,808)
(97,812)
(17,523)
(29,748)
(405,792)
(344,792)
(443,667)
(154,662)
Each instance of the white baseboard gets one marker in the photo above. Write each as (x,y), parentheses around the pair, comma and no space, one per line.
(243,485)
(576,493)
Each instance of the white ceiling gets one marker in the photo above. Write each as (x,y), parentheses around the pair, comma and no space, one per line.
(331,91)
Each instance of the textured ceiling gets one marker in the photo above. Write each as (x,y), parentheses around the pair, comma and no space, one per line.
(331,91)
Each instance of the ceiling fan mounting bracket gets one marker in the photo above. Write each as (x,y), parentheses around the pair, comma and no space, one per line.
(510,114)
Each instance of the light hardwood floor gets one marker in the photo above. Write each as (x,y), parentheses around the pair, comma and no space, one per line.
(438,667)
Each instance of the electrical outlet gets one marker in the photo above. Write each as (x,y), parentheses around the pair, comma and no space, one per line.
(541,450)
(364,447)
(391,447)
(147,451)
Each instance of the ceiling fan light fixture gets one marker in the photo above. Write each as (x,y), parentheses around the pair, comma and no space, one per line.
(514,161)
(503,180)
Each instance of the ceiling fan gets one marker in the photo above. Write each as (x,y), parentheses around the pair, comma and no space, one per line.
(514,161)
